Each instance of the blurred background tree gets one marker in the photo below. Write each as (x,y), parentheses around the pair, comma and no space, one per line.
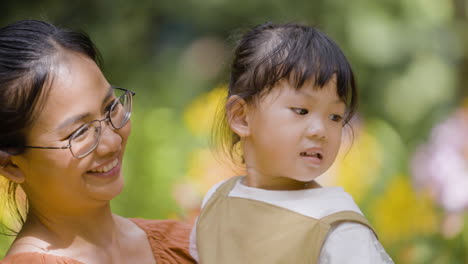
(411,61)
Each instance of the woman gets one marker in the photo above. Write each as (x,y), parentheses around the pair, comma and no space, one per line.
(63,131)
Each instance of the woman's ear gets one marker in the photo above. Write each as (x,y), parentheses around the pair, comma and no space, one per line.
(9,170)
(236,111)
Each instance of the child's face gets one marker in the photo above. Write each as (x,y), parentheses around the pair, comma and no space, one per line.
(293,135)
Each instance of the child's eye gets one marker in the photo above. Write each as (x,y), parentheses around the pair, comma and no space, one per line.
(300,111)
(336,118)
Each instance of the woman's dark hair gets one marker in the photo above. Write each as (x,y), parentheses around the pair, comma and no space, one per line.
(269,53)
(28,51)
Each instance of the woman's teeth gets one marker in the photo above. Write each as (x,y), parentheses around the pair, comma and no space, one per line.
(107,167)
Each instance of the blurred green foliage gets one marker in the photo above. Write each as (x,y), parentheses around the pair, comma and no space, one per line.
(409,56)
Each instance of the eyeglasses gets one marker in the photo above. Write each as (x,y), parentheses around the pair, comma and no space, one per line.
(86,138)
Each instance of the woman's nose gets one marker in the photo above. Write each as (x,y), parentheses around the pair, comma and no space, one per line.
(110,141)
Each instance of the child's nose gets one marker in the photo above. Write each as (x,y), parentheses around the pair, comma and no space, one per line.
(317,129)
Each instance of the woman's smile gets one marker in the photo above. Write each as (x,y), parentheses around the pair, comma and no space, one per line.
(109,170)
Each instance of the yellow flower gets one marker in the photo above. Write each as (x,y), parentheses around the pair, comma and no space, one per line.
(7,213)
(400,213)
(358,168)
(205,170)
(199,114)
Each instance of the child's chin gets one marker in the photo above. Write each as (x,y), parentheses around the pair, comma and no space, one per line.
(305,178)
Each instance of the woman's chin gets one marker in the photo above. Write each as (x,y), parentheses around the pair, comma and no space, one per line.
(108,191)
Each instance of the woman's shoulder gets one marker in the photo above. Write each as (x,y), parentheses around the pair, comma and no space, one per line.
(30,248)
(37,257)
(165,228)
(169,239)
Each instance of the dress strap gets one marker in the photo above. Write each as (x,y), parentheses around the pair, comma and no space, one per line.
(347,216)
(227,186)
(221,192)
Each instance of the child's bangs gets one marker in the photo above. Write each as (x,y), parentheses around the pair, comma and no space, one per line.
(320,70)
(300,64)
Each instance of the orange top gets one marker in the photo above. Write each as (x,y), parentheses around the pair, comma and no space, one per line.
(168,240)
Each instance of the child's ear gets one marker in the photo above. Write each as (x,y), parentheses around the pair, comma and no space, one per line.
(9,170)
(236,110)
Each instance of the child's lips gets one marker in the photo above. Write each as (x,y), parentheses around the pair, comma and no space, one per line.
(314,155)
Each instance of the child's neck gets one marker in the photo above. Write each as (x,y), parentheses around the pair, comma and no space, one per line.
(279,183)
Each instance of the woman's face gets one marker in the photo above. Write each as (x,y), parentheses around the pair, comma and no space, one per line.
(53,178)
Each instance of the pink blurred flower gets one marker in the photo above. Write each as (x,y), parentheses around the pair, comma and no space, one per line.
(441,165)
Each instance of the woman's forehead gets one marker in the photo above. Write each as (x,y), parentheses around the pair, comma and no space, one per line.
(76,85)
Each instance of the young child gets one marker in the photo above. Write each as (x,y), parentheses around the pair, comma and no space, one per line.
(291,92)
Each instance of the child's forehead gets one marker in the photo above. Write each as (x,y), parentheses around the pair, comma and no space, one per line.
(309,92)
(309,89)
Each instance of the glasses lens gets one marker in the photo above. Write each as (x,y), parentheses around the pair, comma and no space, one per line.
(121,110)
(85,139)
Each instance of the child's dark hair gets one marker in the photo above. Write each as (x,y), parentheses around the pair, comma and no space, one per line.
(269,53)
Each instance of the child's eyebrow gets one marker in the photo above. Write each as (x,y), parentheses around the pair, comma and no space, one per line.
(338,101)
(314,97)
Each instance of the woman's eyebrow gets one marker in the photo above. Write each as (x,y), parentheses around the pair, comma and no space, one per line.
(73,119)
(109,94)
(80,117)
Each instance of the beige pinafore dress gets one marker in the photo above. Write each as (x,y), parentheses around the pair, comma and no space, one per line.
(234,230)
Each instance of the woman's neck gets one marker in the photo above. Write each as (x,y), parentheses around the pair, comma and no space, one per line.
(54,232)
(97,236)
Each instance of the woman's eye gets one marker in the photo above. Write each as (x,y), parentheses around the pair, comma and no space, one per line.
(300,111)
(108,107)
(336,118)
(70,135)
(80,132)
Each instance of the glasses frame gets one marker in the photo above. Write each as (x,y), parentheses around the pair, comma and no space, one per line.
(107,118)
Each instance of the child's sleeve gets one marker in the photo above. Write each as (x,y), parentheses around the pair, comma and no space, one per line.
(353,243)
(193,243)
(193,235)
